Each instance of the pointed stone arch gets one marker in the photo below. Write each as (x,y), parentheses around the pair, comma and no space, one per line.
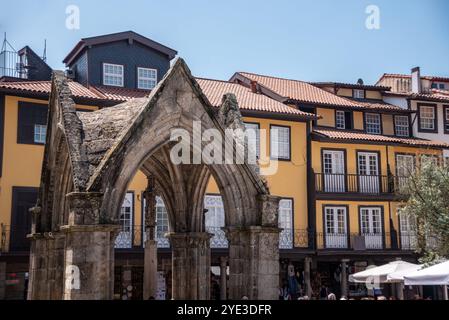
(90,159)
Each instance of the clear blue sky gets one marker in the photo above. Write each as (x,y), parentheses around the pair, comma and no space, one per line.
(320,40)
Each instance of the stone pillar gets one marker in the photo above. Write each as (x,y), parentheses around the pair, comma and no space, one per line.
(307,283)
(223,277)
(89,249)
(190,265)
(253,263)
(2,280)
(150,252)
(344,278)
(254,255)
(399,290)
(89,262)
(46,272)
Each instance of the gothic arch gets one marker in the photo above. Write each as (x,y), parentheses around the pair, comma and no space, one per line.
(90,159)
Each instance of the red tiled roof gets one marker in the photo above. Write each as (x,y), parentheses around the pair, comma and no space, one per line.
(44,87)
(361,136)
(78,90)
(248,100)
(119,93)
(298,90)
(350,85)
(407,76)
(307,93)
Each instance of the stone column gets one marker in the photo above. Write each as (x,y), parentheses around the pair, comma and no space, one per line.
(46,266)
(89,262)
(253,263)
(307,284)
(344,278)
(150,252)
(254,255)
(190,265)
(223,277)
(89,249)
(2,280)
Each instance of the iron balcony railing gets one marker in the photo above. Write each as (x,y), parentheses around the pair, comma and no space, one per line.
(356,183)
(15,240)
(11,65)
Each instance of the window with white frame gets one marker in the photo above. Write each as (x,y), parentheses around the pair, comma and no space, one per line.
(401,126)
(427,117)
(40,132)
(146,78)
(372,121)
(280,142)
(113,74)
(340,119)
(161,218)
(359,94)
(253,138)
(285,222)
(124,238)
(215,220)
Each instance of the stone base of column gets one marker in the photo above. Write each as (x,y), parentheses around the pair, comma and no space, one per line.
(190,265)
(89,262)
(254,263)
(150,270)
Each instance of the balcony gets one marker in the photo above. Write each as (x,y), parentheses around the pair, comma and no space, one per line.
(353,241)
(371,185)
(15,240)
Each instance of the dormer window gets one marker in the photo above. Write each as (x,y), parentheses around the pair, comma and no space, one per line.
(113,74)
(146,78)
(358,94)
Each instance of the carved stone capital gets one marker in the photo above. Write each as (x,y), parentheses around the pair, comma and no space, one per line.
(269,207)
(84,208)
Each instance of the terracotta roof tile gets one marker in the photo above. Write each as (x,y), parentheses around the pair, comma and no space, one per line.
(119,93)
(308,93)
(298,90)
(407,76)
(44,87)
(248,100)
(361,136)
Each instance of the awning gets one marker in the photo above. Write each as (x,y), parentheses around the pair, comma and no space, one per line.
(379,274)
(435,275)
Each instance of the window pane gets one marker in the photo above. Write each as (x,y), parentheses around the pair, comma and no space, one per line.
(147,78)
(402,127)
(40,132)
(360,94)
(113,75)
(280,142)
(253,138)
(427,117)
(340,119)
(373,123)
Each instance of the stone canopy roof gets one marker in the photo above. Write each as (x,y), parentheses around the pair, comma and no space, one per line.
(95,138)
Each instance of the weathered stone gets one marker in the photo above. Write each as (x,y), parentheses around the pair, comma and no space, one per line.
(90,159)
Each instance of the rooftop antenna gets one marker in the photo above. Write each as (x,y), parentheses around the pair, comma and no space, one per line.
(44,57)
(6,44)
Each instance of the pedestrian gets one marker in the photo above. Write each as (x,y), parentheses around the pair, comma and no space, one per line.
(323,293)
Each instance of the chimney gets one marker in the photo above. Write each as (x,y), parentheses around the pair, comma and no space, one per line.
(416,80)
(254,86)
